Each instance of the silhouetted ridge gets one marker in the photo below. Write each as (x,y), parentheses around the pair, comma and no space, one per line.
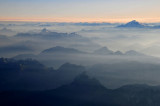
(82,84)
(85,91)
(83,88)
(31,75)
(20,64)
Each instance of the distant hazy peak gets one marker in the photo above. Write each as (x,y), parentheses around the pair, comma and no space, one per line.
(103,50)
(133,23)
(60,49)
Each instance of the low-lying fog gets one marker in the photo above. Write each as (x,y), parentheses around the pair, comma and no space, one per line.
(145,40)
(90,45)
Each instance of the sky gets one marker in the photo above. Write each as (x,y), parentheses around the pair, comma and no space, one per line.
(80,10)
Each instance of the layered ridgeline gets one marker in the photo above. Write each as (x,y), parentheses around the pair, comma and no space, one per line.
(35,76)
(64,50)
(58,55)
(46,34)
(106,51)
(85,91)
(35,42)
(31,75)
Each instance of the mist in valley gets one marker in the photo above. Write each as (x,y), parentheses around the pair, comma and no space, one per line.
(39,56)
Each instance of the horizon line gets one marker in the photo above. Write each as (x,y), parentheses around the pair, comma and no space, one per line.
(72,22)
(80,20)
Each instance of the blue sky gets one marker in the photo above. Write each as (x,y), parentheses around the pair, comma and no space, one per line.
(80,10)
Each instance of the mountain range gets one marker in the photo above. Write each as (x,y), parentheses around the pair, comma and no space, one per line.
(46,34)
(30,74)
(63,50)
(106,51)
(85,91)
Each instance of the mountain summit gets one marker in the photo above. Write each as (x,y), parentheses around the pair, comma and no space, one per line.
(59,49)
(132,24)
(103,51)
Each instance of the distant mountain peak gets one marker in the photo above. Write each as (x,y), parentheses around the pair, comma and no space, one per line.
(132,23)
(103,51)
(59,49)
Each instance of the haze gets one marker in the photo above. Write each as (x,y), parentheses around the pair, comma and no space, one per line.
(80,10)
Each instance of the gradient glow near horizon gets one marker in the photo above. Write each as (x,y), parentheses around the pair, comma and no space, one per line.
(80,10)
